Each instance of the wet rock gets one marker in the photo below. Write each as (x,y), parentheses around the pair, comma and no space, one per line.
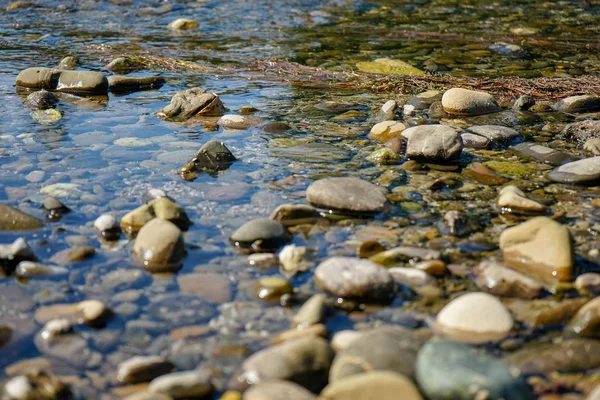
(294,259)
(578,104)
(159,246)
(122,65)
(496,279)
(436,268)
(73,255)
(93,313)
(295,214)
(5,335)
(140,369)
(305,361)
(182,385)
(389,66)
(524,103)
(433,143)
(271,288)
(513,200)
(276,127)
(455,223)
(167,210)
(319,330)
(121,83)
(544,312)
(12,254)
(261,233)
(481,173)
(468,102)
(586,323)
(582,171)
(263,260)
(48,116)
(148,396)
(474,318)
(63,81)
(42,100)
(348,277)
(212,287)
(570,355)
(592,146)
(239,121)
(108,227)
(36,384)
(54,208)
(380,385)
(384,131)
(311,313)
(540,248)
(455,371)
(12,219)
(473,141)
(581,131)
(384,156)
(192,103)
(56,328)
(496,134)
(278,390)
(336,106)
(387,111)
(346,195)
(402,254)
(342,339)
(411,277)
(181,24)
(369,248)
(594,394)
(541,153)
(424,100)
(389,348)
(133,221)
(68,63)
(212,158)
(588,282)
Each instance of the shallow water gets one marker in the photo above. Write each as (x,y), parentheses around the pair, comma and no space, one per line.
(106,155)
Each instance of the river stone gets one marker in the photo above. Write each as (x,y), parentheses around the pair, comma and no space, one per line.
(468,102)
(508,49)
(594,394)
(592,146)
(586,323)
(93,313)
(348,277)
(159,246)
(582,171)
(388,66)
(524,103)
(541,153)
(123,83)
(346,194)
(305,361)
(481,173)
(295,214)
(212,157)
(271,288)
(294,259)
(424,100)
(190,103)
(411,277)
(42,100)
(588,283)
(148,396)
(133,221)
(278,390)
(63,80)
(140,369)
(48,116)
(433,143)
(578,104)
(311,313)
(181,24)
(263,260)
(473,141)
(455,371)
(496,279)
(496,134)
(581,131)
(232,121)
(108,227)
(544,312)
(384,131)
(401,254)
(12,219)
(541,248)
(261,233)
(13,254)
(319,330)
(212,287)
(571,355)
(182,385)
(73,255)
(513,200)
(5,334)
(474,318)
(29,269)
(387,111)
(167,210)
(389,348)
(380,385)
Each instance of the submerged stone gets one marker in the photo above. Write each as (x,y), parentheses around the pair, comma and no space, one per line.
(191,103)
(541,153)
(12,219)
(346,194)
(142,369)
(63,81)
(384,156)
(496,134)
(232,121)
(582,171)
(481,173)
(120,83)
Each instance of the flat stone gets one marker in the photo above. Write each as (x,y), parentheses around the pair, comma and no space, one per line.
(384,131)
(455,371)
(481,173)
(582,171)
(12,219)
(212,287)
(305,361)
(73,255)
(474,318)
(346,194)
(512,200)
(387,110)
(295,214)
(586,323)
(496,134)
(433,143)
(473,141)
(181,24)
(140,369)
(468,102)
(182,385)
(388,66)
(411,277)
(159,246)
(271,288)
(348,277)
(380,385)
(262,232)
(544,312)
(578,104)
(389,348)
(239,122)
(402,254)
(496,279)
(541,153)
(63,80)
(123,83)
(319,330)
(540,248)
(191,103)
(277,390)
(312,312)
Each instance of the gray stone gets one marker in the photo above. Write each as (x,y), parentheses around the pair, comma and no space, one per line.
(496,279)
(524,103)
(12,219)
(495,133)
(73,255)
(346,194)
(182,385)
(454,371)
(387,111)
(140,369)
(191,103)
(468,102)
(121,83)
(401,254)
(159,246)
(232,121)
(433,143)
(581,131)
(582,171)
(508,49)
(578,104)
(263,233)
(42,100)
(541,153)
(121,65)
(473,141)
(348,277)
(390,348)
(63,81)
(68,63)
(424,100)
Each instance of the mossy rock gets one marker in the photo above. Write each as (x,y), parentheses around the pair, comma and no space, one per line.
(510,168)
(389,66)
